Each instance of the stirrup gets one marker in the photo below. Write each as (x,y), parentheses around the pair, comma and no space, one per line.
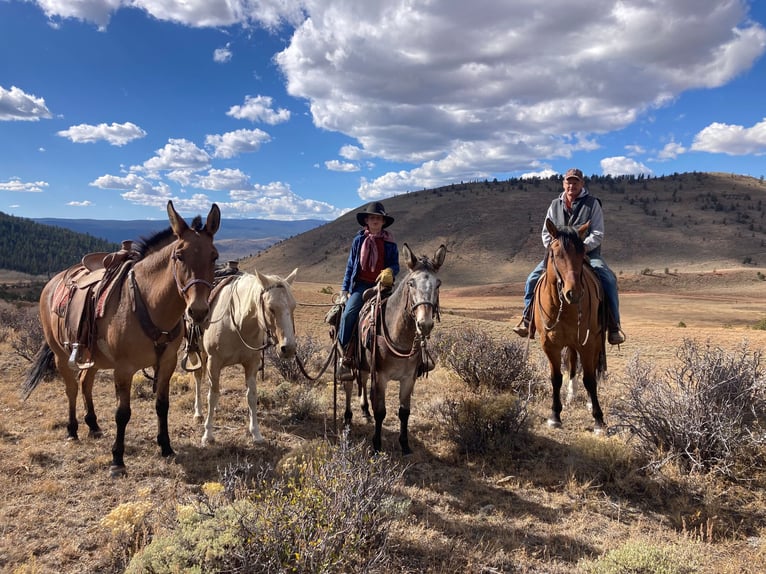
(191,361)
(73,362)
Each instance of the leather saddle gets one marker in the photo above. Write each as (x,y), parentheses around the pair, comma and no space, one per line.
(81,297)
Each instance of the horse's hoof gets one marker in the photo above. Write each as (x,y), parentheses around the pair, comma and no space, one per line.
(554,424)
(168,453)
(258,439)
(117,471)
(72,438)
(207,440)
(599,431)
(96,434)
(198,418)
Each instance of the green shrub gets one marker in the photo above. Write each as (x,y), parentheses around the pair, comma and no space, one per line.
(330,513)
(641,558)
(480,423)
(703,414)
(481,362)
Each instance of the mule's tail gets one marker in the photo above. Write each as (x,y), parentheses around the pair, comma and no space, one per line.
(44,361)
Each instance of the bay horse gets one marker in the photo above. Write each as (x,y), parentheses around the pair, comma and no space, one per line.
(248,313)
(568,315)
(167,275)
(399,327)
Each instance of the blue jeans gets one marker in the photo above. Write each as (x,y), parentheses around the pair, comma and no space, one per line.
(608,282)
(351,312)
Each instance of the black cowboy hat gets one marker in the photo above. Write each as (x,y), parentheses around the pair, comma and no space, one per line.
(374,208)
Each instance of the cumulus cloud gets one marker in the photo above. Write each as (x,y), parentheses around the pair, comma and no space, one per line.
(178,154)
(335,165)
(621,165)
(84,203)
(114,134)
(15,184)
(671,151)
(15,104)
(458,91)
(732,139)
(222,55)
(258,109)
(276,201)
(234,143)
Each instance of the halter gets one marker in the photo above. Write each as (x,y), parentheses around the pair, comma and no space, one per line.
(419,342)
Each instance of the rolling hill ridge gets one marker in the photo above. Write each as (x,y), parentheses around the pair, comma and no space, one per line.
(691,221)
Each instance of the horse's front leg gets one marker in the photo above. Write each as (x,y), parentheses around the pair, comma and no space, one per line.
(91,420)
(198,376)
(364,405)
(406,386)
(554,359)
(570,359)
(590,381)
(162,400)
(251,380)
(378,400)
(213,374)
(122,384)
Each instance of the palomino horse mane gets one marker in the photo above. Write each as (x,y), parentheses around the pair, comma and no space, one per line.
(249,314)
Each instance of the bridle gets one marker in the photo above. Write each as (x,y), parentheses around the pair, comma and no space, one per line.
(182,289)
(560,292)
(270,339)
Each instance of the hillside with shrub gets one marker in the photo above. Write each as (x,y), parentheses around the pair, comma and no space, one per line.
(690,221)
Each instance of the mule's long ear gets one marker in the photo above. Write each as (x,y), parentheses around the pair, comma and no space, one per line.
(551,227)
(582,231)
(177,223)
(409,256)
(213,219)
(441,253)
(290,278)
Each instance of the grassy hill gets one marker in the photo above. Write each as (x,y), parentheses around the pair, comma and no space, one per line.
(691,221)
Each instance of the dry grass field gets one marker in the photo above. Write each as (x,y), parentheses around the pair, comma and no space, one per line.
(549,506)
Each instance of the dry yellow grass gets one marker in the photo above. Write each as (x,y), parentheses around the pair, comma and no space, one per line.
(564,498)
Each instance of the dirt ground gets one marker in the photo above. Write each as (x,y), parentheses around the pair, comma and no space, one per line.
(468,513)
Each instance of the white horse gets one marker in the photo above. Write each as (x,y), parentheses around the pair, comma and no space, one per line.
(247,314)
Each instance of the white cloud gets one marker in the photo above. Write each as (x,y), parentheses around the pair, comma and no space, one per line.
(276,201)
(335,165)
(17,105)
(222,55)
(258,109)
(114,134)
(84,203)
(15,184)
(178,154)
(671,151)
(234,143)
(732,139)
(222,180)
(621,165)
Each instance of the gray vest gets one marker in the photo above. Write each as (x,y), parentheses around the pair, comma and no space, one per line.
(582,211)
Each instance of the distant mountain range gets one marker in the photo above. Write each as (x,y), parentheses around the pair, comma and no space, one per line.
(235,239)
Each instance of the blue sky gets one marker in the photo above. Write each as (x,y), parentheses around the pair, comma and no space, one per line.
(294,109)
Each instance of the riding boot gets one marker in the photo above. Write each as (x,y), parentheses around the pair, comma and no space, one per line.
(345,371)
(615,336)
(522,328)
